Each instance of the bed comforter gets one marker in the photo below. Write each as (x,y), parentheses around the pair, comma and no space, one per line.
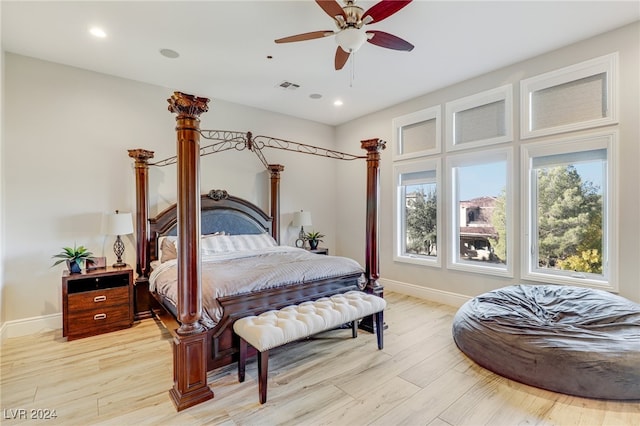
(227,274)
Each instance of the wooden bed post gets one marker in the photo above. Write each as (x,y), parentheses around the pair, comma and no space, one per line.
(372,260)
(141,295)
(190,342)
(274,170)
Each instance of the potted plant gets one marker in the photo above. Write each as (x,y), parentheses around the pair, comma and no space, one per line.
(74,257)
(314,238)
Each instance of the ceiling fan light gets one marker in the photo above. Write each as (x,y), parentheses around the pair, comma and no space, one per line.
(350,39)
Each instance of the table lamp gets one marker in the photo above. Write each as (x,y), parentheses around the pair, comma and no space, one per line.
(119,224)
(301,219)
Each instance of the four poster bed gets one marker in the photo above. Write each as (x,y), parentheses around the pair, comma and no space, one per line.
(209,238)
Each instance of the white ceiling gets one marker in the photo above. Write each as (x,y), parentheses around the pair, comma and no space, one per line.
(224,45)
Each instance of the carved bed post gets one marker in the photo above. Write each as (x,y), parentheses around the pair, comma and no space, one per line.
(141,166)
(189,344)
(275,170)
(372,260)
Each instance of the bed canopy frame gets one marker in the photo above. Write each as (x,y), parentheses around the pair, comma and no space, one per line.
(190,339)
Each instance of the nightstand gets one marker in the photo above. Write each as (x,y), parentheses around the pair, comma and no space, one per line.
(320,250)
(96,302)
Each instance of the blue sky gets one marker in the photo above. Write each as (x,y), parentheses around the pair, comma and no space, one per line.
(489,179)
(482,180)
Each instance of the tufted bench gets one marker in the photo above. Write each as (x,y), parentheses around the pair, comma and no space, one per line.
(275,328)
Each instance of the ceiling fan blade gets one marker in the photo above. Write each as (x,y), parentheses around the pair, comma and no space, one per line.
(382,39)
(383,10)
(332,8)
(341,58)
(305,36)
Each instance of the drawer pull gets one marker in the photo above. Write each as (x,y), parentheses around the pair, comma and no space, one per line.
(99,299)
(100,316)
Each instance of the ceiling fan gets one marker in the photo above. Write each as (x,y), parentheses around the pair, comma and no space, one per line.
(351,34)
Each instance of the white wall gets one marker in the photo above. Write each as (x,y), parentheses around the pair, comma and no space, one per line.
(2,188)
(66,137)
(439,281)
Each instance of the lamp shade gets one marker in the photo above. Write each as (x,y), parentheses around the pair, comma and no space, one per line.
(351,39)
(119,224)
(302,218)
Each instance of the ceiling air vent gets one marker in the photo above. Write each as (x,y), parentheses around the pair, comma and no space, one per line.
(287,85)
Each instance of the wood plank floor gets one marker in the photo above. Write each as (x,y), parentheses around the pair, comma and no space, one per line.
(420,378)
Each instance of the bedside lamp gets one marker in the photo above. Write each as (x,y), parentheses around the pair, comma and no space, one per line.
(301,219)
(119,224)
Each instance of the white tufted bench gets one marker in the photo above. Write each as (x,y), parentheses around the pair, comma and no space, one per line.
(275,328)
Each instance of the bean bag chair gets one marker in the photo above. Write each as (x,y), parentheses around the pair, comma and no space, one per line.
(571,340)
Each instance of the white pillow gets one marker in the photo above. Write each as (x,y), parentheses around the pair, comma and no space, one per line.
(168,246)
(211,244)
(231,243)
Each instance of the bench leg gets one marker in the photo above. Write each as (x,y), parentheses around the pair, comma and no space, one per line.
(380,328)
(263,371)
(242,360)
(354,329)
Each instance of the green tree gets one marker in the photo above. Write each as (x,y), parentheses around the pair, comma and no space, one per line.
(421,222)
(569,217)
(499,222)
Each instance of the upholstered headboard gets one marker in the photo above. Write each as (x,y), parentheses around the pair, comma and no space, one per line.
(220,212)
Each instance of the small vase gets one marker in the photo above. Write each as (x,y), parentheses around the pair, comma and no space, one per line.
(74,267)
(313,244)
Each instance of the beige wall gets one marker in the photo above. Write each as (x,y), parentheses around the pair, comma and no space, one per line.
(441,280)
(65,155)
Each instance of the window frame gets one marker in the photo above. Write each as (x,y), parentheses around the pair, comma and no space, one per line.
(399,229)
(503,93)
(607,64)
(432,113)
(453,254)
(574,144)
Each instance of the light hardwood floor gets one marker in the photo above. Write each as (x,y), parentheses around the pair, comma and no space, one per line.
(420,378)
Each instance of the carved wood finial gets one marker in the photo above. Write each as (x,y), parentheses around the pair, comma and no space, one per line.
(373,145)
(187,106)
(275,169)
(140,155)
(218,194)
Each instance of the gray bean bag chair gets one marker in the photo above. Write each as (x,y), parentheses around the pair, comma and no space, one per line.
(565,339)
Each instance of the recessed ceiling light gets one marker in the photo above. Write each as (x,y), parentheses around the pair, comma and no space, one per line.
(315,96)
(337,103)
(168,53)
(97,32)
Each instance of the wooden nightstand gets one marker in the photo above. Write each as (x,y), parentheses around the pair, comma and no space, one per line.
(97,301)
(320,250)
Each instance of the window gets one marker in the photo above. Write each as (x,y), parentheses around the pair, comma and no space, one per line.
(417,212)
(481,212)
(417,134)
(571,98)
(479,120)
(569,202)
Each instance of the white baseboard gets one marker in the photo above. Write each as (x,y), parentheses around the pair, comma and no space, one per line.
(23,327)
(421,292)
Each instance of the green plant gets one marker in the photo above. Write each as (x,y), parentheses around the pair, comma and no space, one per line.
(314,236)
(73,255)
